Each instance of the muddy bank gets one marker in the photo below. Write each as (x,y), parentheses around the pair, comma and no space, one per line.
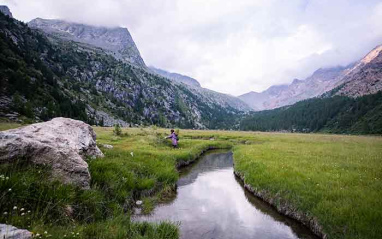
(284,208)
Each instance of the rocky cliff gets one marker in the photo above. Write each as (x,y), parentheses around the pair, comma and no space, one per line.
(5,10)
(364,78)
(117,41)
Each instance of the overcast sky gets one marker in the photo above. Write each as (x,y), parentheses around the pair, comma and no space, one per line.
(231,46)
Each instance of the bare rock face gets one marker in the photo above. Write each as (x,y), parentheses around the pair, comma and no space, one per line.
(11,232)
(61,144)
(5,10)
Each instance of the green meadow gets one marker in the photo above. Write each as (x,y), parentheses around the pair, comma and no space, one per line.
(334,179)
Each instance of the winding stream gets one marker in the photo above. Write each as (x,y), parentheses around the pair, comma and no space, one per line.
(212,203)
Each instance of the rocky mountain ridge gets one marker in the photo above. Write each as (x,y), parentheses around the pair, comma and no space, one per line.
(117,41)
(176,77)
(357,79)
(5,10)
(364,78)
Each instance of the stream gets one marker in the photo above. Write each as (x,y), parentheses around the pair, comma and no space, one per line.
(212,203)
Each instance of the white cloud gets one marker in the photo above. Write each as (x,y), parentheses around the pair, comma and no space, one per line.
(231,46)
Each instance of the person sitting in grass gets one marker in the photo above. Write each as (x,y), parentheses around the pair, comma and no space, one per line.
(174,138)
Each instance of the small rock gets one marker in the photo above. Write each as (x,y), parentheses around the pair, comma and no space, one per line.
(107,146)
(11,232)
(139,202)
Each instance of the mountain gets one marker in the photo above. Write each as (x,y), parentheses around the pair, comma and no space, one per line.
(360,78)
(117,41)
(102,36)
(45,75)
(364,78)
(176,77)
(318,83)
(206,95)
(5,10)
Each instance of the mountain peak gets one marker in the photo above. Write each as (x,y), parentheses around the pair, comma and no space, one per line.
(372,54)
(5,10)
(116,40)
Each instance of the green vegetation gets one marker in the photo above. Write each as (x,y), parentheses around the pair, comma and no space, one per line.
(334,179)
(337,114)
(142,165)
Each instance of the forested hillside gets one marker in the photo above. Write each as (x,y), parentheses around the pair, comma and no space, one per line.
(43,77)
(338,114)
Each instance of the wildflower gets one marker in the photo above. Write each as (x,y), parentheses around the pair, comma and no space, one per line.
(14,208)
(5,213)
(10,189)
(132,154)
(77,233)
(65,235)
(22,209)
(45,232)
(29,211)
(7,178)
(22,214)
(37,235)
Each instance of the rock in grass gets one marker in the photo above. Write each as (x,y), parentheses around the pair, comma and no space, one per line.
(11,232)
(107,146)
(61,144)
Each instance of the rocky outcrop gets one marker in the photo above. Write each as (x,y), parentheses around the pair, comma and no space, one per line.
(5,10)
(117,41)
(11,232)
(61,144)
(365,77)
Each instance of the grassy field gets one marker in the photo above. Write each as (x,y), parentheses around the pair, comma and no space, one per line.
(335,179)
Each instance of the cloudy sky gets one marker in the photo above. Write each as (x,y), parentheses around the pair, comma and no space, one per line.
(231,46)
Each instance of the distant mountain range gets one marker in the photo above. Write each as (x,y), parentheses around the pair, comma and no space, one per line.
(358,79)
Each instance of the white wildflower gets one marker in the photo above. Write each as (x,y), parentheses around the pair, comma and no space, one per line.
(5,213)
(132,154)
(14,208)
(22,214)
(45,232)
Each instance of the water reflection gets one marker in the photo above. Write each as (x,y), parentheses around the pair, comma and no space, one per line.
(211,203)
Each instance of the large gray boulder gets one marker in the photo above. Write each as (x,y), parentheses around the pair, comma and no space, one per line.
(11,232)
(62,144)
